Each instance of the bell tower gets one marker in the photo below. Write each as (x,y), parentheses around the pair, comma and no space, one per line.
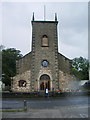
(44,72)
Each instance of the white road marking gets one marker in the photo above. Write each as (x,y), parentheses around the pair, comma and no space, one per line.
(83,115)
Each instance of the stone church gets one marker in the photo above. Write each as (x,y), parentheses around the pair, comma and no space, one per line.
(43,67)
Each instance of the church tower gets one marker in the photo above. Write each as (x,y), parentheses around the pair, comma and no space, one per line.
(44,65)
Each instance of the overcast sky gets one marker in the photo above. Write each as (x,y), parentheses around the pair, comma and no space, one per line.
(72,26)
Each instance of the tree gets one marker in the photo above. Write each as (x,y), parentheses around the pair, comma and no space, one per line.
(9,57)
(80,68)
(2,47)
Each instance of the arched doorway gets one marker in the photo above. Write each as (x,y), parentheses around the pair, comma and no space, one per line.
(44,82)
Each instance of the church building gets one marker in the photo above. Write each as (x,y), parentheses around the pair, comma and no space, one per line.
(43,67)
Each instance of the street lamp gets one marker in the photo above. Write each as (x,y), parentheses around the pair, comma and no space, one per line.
(11,82)
(3,84)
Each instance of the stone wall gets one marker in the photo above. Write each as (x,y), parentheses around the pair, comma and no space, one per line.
(24,76)
(24,73)
(24,63)
(67,81)
(64,63)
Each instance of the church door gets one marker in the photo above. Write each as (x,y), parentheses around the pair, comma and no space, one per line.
(44,82)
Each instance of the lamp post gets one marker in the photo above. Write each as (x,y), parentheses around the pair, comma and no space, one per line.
(11,82)
(3,84)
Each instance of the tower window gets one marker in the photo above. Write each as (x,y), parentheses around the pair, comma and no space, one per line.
(44,41)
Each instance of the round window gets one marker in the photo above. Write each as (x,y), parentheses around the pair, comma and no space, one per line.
(45,63)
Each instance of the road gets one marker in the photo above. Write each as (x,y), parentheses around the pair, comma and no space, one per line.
(64,107)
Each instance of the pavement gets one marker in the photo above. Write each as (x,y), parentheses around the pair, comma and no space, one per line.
(76,111)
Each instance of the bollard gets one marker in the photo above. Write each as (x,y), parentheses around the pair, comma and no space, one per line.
(25,105)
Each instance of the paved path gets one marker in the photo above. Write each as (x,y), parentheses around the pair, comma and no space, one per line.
(78,111)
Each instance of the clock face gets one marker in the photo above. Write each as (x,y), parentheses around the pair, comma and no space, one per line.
(45,63)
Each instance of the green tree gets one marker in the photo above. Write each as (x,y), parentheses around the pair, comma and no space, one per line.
(9,57)
(80,68)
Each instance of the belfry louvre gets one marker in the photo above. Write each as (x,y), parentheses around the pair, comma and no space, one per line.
(43,67)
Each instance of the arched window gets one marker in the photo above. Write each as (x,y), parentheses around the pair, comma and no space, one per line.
(22,83)
(44,41)
(44,77)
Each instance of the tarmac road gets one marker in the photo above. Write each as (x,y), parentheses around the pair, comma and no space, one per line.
(64,107)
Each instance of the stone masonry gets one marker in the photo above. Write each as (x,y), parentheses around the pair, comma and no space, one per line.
(43,67)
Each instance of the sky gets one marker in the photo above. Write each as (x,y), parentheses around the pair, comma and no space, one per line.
(72,25)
